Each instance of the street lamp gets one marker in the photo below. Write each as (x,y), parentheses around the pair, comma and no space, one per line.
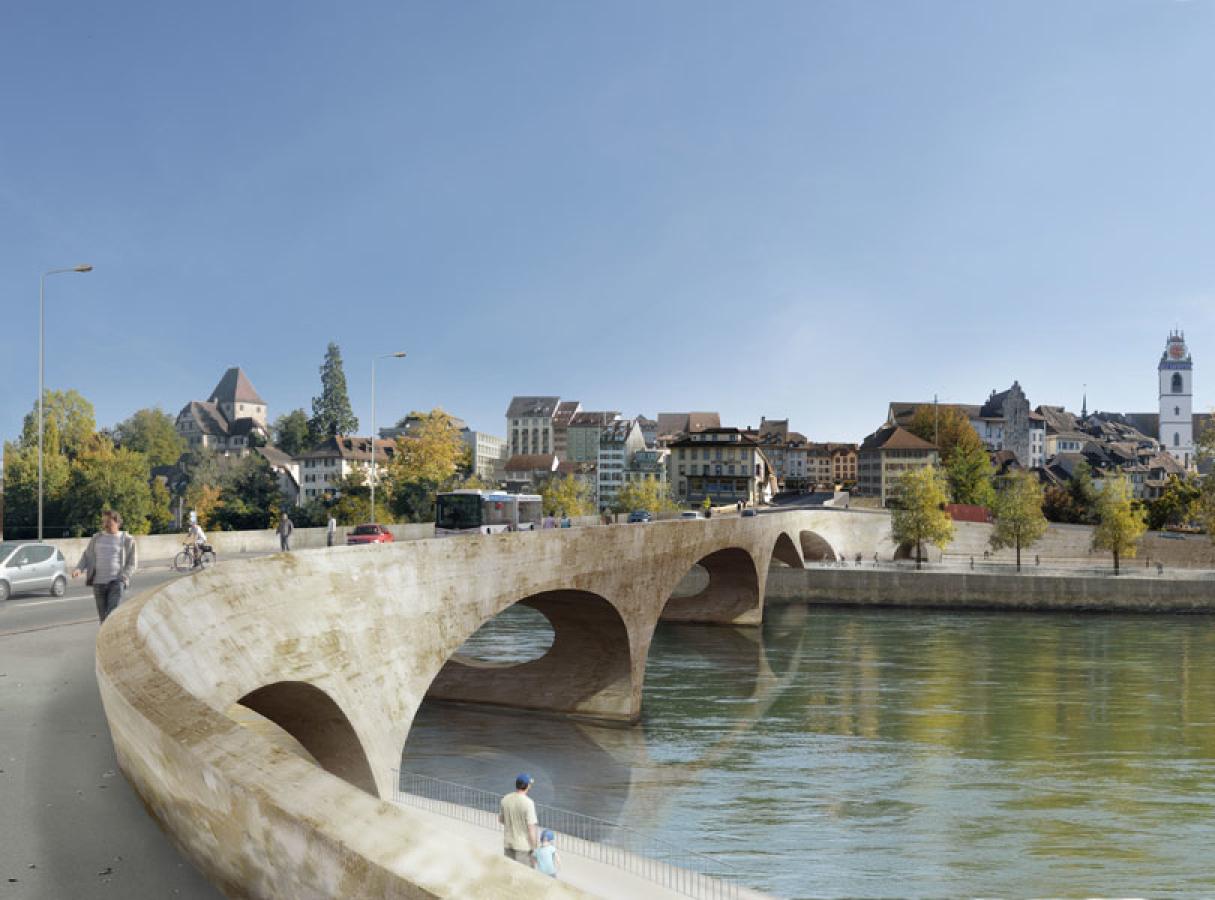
(400,355)
(41,355)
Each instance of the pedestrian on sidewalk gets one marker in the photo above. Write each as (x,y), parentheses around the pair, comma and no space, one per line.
(331,531)
(518,819)
(285,528)
(548,861)
(108,562)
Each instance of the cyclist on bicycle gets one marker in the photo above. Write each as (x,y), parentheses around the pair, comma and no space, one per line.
(197,540)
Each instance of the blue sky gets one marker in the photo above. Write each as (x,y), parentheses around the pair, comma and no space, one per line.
(803,209)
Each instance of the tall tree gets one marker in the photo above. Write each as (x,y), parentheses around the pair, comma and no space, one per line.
(291,433)
(250,498)
(1019,519)
(152,433)
(969,474)
(920,516)
(427,461)
(1083,493)
(1119,523)
(331,412)
(72,416)
(104,477)
(565,495)
(946,426)
(21,487)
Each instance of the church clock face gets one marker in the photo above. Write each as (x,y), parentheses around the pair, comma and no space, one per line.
(1176,351)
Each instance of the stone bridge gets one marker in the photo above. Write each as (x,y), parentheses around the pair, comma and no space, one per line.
(261,708)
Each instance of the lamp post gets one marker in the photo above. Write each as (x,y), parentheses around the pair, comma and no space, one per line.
(41,356)
(400,355)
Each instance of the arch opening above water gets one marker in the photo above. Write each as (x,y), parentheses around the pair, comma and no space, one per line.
(311,716)
(586,670)
(731,592)
(786,553)
(816,548)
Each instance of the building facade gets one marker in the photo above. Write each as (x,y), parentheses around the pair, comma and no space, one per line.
(232,420)
(321,470)
(529,425)
(722,464)
(618,441)
(885,456)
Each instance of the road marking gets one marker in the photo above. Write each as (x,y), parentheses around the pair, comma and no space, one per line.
(28,603)
(4,634)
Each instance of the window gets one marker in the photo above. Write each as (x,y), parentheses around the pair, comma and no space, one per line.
(1176,439)
(1176,382)
(1176,410)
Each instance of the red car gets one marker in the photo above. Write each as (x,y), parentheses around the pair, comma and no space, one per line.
(369,534)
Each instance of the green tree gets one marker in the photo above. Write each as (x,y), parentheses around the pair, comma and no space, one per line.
(152,433)
(291,433)
(331,412)
(1057,505)
(250,499)
(968,472)
(1018,509)
(21,487)
(1119,523)
(1177,506)
(72,416)
(566,495)
(1083,494)
(104,477)
(920,516)
(945,426)
(160,513)
(650,494)
(353,502)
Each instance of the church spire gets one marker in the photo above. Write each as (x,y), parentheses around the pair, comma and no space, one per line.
(1084,405)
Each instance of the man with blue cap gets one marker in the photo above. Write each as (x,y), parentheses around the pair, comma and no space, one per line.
(518,819)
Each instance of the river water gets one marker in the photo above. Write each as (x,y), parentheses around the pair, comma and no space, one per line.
(888,753)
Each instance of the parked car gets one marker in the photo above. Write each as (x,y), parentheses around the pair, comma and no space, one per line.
(640,515)
(689,514)
(30,566)
(748,512)
(369,534)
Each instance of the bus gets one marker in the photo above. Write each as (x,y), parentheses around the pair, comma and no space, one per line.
(486,512)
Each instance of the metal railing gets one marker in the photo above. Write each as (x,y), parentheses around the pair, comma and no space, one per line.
(674,868)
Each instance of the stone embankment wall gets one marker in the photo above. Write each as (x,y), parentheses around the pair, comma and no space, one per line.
(1072,543)
(1133,592)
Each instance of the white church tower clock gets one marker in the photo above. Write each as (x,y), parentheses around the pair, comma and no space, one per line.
(1176,371)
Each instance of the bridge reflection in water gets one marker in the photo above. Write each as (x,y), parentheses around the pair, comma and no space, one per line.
(893,753)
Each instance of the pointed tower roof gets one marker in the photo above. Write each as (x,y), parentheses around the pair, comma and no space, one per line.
(235,387)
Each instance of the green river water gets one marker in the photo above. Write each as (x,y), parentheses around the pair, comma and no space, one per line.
(888,753)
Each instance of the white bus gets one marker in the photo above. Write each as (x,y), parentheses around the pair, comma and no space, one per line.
(486,512)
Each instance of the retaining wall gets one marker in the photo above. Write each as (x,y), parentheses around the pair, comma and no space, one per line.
(966,590)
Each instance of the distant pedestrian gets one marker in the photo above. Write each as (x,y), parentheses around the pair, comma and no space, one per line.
(875,560)
(1037,560)
(285,529)
(972,563)
(108,562)
(1159,568)
(548,861)
(858,559)
(517,815)
(331,531)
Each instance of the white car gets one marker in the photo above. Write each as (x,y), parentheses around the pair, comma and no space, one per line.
(30,566)
(689,514)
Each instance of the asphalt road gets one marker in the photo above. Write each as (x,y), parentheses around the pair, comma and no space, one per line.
(70,825)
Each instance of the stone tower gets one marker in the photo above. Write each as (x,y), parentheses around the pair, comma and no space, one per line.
(1176,372)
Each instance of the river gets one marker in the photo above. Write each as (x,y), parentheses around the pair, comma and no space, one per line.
(887,753)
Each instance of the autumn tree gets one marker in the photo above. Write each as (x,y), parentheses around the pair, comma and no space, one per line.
(651,494)
(920,515)
(1177,506)
(1018,509)
(153,433)
(566,495)
(291,434)
(352,505)
(1119,523)
(331,412)
(105,477)
(969,472)
(945,426)
(426,461)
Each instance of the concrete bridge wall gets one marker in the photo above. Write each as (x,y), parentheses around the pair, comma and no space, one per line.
(337,648)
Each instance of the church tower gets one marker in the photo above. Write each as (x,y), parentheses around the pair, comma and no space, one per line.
(1176,371)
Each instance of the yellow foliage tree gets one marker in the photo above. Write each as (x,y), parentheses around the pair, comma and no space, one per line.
(945,425)
(920,516)
(651,495)
(567,496)
(1119,523)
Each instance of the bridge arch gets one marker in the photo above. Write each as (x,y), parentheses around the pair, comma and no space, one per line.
(731,592)
(585,671)
(312,717)
(785,551)
(816,548)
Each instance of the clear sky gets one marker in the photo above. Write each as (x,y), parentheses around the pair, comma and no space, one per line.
(800,209)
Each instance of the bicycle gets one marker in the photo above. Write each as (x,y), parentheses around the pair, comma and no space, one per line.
(194,557)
